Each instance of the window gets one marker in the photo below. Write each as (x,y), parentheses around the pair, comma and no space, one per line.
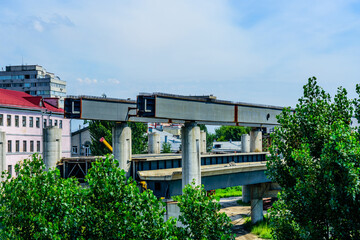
(37,122)
(16,121)
(38,146)
(1,120)
(24,121)
(10,170)
(24,146)
(31,146)
(31,122)
(56,123)
(60,124)
(44,123)
(8,120)
(9,146)
(74,149)
(50,122)
(17,146)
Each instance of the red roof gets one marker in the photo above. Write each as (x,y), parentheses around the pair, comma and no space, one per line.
(24,100)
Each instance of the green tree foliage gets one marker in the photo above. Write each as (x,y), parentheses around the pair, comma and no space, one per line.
(200,215)
(227,133)
(40,205)
(99,129)
(166,148)
(117,210)
(315,157)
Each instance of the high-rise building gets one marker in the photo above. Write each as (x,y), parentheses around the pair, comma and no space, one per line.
(34,80)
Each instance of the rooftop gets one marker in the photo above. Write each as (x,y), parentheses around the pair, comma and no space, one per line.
(19,99)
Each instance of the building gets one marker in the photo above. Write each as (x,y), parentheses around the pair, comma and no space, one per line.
(34,80)
(80,143)
(230,146)
(22,121)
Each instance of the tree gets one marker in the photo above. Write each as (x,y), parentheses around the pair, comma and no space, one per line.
(39,204)
(99,129)
(227,133)
(200,215)
(116,209)
(315,157)
(166,148)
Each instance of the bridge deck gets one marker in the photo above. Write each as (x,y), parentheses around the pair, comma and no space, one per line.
(208,170)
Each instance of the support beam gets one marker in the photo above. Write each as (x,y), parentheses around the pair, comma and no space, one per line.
(246,193)
(256,141)
(190,144)
(122,145)
(2,152)
(203,142)
(257,191)
(52,146)
(154,143)
(245,143)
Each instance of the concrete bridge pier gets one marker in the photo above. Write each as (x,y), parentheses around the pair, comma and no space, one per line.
(52,146)
(154,143)
(190,146)
(245,148)
(122,145)
(256,141)
(245,143)
(203,142)
(246,193)
(257,192)
(2,152)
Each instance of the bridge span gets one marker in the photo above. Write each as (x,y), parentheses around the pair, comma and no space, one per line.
(162,173)
(189,111)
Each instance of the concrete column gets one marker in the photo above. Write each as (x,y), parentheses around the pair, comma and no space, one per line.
(154,143)
(122,145)
(245,143)
(190,143)
(257,192)
(256,141)
(2,152)
(52,146)
(246,193)
(203,142)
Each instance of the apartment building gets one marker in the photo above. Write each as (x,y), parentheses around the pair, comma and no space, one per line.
(33,80)
(22,120)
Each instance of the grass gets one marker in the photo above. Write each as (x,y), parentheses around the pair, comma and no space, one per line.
(228,192)
(262,229)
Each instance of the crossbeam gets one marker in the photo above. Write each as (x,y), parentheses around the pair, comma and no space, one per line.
(173,109)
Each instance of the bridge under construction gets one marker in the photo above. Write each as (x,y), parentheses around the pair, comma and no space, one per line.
(167,174)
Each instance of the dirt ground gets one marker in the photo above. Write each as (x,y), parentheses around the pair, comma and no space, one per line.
(237,214)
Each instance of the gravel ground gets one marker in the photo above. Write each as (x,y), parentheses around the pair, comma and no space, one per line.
(237,214)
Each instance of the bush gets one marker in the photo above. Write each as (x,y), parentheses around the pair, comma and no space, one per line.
(200,215)
(166,148)
(38,204)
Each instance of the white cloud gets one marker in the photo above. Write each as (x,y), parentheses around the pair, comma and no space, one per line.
(87,80)
(113,81)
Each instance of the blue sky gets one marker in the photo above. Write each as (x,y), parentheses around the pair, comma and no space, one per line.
(248,51)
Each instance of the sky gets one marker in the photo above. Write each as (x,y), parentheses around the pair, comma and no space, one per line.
(245,51)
